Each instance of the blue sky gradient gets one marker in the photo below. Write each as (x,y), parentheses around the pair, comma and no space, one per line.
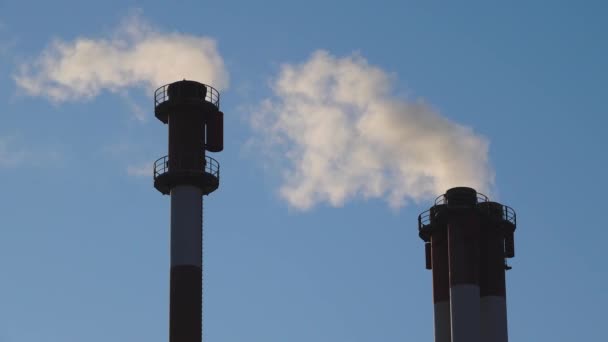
(84,244)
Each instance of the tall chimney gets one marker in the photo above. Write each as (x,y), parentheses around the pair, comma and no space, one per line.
(463,247)
(467,239)
(191,110)
(498,225)
(437,259)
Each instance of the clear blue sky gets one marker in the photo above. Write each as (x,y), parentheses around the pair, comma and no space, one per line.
(84,242)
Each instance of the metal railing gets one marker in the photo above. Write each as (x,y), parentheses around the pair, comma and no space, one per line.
(162,95)
(424,219)
(441,199)
(508,213)
(163,165)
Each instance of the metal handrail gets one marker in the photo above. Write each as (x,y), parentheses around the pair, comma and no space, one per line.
(441,199)
(162,95)
(508,214)
(424,219)
(211,166)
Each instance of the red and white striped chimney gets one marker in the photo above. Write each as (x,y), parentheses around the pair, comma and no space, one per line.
(441,285)
(467,239)
(496,227)
(463,245)
(435,234)
(191,110)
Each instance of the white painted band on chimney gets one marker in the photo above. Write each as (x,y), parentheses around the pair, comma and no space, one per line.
(442,322)
(186,225)
(465,312)
(494,319)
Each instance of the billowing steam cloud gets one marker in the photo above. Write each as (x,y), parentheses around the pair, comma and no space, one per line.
(135,55)
(345,135)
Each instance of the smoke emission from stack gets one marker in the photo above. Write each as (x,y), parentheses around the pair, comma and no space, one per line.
(340,132)
(135,55)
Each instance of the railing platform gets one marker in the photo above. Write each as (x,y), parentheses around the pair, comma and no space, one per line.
(185,95)
(169,173)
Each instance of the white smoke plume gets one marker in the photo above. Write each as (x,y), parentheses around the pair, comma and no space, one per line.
(344,134)
(135,55)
